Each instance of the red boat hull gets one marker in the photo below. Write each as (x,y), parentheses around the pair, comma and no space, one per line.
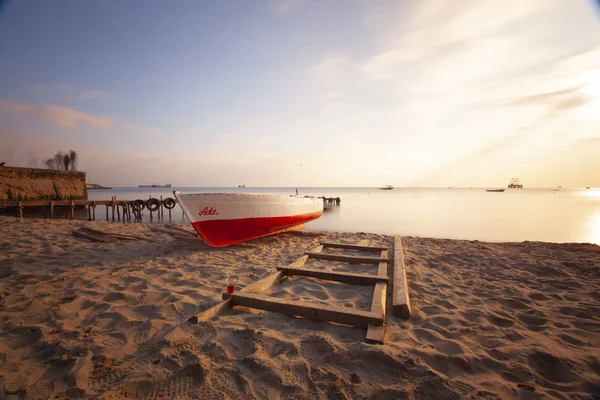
(224,232)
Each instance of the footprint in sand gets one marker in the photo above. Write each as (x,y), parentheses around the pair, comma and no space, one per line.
(344,294)
(113,297)
(430,337)
(553,368)
(319,294)
(534,322)
(571,340)
(499,321)
(538,296)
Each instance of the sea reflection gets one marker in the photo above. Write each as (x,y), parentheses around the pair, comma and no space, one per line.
(566,215)
(594,228)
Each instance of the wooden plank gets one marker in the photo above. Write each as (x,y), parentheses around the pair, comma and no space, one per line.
(383,266)
(116,235)
(345,277)
(400,298)
(260,285)
(172,232)
(317,249)
(304,309)
(376,333)
(353,246)
(264,283)
(193,234)
(95,238)
(350,259)
(211,312)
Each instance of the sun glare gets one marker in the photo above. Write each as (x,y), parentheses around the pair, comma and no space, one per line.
(595,228)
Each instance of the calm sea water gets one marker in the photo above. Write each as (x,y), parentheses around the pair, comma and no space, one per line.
(566,215)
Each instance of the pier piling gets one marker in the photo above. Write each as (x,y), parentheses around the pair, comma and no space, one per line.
(128,208)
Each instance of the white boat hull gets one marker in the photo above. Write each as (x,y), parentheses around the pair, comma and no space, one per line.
(222,219)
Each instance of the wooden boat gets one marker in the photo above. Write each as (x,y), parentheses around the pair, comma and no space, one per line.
(222,219)
(388,187)
(494,190)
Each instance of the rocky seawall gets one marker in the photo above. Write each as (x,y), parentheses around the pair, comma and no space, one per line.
(41,184)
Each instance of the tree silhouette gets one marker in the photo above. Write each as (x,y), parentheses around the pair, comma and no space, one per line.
(73,157)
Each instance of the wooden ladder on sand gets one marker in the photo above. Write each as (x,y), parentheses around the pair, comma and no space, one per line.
(374,320)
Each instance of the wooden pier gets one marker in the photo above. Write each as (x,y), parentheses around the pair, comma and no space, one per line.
(115,210)
(123,210)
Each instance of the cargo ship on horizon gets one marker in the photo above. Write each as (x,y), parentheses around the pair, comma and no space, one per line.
(168,185)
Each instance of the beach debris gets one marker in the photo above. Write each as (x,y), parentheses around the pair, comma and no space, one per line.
(83,233)
(106,237)
(526,386)
(176,233)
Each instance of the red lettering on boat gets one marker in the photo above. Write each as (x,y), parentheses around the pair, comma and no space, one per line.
(208,211)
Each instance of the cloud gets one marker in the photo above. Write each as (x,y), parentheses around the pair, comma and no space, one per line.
(555,101)
(94,94)
(67,118)
(15,109)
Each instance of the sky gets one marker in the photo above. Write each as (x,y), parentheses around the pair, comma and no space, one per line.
(304,92)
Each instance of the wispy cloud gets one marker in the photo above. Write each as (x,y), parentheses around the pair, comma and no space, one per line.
(15,109)
(68,118)
(555,101)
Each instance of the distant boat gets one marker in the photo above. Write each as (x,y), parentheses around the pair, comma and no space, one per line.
(222,219)
(388,187)
(168,185)
(241,185)
(494,190)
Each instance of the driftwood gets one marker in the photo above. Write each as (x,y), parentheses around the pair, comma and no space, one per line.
(94,236)
(115,235)
(173,232)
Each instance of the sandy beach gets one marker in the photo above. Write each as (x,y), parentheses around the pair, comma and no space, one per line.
(109,320)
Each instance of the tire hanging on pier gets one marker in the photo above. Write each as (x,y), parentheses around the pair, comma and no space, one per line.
(138,205)
(152,204)
(169,203)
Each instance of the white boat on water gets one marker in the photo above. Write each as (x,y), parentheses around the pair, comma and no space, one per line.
(222,219)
